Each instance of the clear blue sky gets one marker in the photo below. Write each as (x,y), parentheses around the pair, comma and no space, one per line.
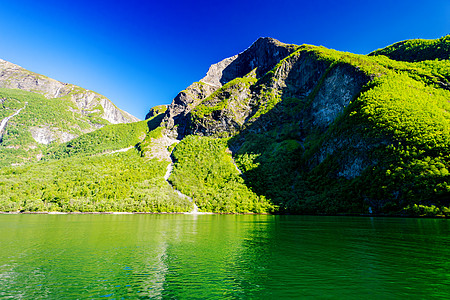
(142,53)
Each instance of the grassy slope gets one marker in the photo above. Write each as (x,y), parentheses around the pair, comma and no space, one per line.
(116,182)
(105,139)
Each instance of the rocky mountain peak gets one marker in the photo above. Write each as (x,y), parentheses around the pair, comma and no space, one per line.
(263,55)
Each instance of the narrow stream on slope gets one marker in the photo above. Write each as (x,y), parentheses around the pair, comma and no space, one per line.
(6,120)
(166,178)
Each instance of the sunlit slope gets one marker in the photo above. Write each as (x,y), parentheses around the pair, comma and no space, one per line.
(102,171)
(111,182)
(314,131)
(417,50)
(36,111)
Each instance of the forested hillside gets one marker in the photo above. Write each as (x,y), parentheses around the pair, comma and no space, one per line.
(279,128)
(97,172)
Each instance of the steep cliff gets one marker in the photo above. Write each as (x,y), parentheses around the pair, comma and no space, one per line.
(262,56)
(277,128)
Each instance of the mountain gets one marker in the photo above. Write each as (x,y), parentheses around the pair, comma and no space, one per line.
(37,110)
(320,131)
(277,128)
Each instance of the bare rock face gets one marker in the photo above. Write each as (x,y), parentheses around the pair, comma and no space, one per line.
(46,135)
(262,55)
(226,102)
(216,72)
(15,77)
(335,87)
(230,110)
(298,75)
(176,116)
(340,86)
(42,135)
(295,77)
(113,114)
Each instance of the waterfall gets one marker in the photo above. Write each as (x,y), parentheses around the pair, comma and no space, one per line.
(5,121)
(180,194)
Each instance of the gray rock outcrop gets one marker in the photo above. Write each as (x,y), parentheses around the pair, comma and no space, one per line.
(46,135)
(176,118)
(340,86)
(262,56)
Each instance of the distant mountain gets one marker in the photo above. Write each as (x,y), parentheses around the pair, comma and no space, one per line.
(277,128)
(37,110)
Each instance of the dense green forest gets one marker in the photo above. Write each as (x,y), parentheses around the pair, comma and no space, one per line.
(386,151)
(398,125)
(105,139)
(417,50)
(205,171)
(111,182)
(87,175)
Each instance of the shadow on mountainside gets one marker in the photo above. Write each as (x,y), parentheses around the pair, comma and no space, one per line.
(276,155)
(269,153)
(277,152)
(155,122)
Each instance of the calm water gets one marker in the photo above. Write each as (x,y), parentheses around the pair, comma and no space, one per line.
(220,257)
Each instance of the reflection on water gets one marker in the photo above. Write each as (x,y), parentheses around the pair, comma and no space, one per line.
(222,256)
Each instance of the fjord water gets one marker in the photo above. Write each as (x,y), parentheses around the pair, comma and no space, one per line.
(222,256)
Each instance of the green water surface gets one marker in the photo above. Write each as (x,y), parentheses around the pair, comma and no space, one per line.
(223,257)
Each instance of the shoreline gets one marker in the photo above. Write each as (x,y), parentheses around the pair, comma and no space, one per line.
(116,213)
(213,213)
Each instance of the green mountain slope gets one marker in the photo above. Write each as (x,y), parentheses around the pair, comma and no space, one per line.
(332,132)
(116,182)
(206,172)
(417,50)
(39,122)
(278,128)
(87,102)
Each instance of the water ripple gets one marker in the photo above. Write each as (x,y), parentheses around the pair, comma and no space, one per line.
(222,257)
